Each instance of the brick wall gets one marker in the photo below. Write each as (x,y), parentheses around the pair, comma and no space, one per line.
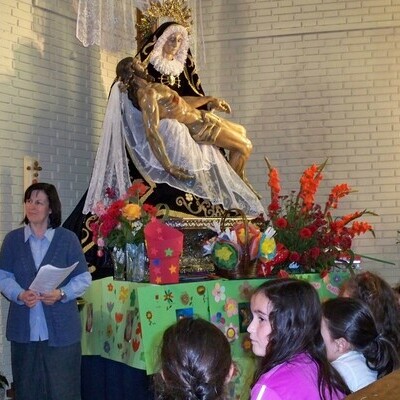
(309,79)
(312,80)
(53,93)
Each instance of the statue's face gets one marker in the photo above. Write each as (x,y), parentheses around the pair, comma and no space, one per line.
(172,45)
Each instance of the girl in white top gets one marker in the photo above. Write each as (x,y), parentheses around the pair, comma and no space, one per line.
(353,344)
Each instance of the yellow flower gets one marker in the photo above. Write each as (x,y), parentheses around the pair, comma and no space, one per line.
(131,212)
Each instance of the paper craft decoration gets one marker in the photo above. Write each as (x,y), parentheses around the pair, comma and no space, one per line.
(226,254)
(164,248)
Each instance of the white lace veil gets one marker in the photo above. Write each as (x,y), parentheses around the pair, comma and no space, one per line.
(214,179)
(110,24)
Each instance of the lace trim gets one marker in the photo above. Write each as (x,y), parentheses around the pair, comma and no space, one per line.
(167,67)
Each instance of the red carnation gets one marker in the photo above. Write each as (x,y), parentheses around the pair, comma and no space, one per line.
(281,223)
(314,252)
(149,209)
(305,233)
(294,256)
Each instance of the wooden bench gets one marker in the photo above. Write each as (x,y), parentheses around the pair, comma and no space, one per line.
(386,388)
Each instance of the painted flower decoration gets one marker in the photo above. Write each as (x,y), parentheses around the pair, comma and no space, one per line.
(309,238)
(231,307)
(124,219)
(219,293)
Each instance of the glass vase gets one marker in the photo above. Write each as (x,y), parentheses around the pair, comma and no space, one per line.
(118,257)
(136,262)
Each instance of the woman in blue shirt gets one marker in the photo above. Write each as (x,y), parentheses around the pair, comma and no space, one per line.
(44,328)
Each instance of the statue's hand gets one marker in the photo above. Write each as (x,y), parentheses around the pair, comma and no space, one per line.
(179,173)
(219,105)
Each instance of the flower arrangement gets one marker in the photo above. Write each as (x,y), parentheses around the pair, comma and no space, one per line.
(123,220)
(309,238)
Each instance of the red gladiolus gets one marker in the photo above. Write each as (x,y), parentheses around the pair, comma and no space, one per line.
(309,183)
(350,217)
(337,193)
(315,237)
(274,182)
(337,226)
(274,206)
(359,227)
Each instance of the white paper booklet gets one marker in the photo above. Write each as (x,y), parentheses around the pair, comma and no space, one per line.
(49,277)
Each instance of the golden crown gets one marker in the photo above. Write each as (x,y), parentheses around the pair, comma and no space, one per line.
(175,10)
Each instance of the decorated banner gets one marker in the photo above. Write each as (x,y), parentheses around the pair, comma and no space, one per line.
(125,321)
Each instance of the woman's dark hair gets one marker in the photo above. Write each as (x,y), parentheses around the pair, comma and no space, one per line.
(382,301)
(296,328)
(195,362)
(352,320)
(54,202)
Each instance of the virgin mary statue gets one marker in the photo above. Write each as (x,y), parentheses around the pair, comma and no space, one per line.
(124,153)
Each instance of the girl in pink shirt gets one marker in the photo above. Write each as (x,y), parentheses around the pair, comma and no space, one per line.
(285,334)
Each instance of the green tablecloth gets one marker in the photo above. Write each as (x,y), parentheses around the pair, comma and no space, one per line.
(124,321)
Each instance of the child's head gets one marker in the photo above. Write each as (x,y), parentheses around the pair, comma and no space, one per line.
(196,361)
(348,324)
(286,319)
(381,299)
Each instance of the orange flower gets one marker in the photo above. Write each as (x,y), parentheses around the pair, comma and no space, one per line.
(337,193)
(309,183)
(274,182)
(360,227)
(350,217)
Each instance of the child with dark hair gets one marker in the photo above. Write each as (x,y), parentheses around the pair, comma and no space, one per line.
(381,299)
(196,362)
(286,333)
(357,351)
